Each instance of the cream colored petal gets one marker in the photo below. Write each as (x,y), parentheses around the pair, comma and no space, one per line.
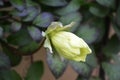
(78,58)
(47,44)
(53,26)
(59,39)
(66,27)
(85,50)
(74,40)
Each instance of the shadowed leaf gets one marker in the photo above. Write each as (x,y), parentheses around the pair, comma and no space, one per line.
(56,65)
(35,71)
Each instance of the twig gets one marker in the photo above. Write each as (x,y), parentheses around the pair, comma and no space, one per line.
(6,9)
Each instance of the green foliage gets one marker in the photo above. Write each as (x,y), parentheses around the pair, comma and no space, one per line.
(35,71)
(87,33)
(56,64)
(107,3)
(4,61)
(23,21)
(54,3)
(98,10)
(112,47)
(14,59)
(82,68)
(112,70)
(9,75)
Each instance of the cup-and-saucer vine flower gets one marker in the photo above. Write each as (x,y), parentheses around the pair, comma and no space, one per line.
(67,44)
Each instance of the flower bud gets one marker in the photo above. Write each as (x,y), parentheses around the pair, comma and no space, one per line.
(67,44)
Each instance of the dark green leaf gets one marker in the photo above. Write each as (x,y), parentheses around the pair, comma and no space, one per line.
(91,60)
(107,3)
(91,78)
(35,71)
(9,75)
(86,15)
(71,17)
(4,61)
(17,13)
(112,70)
(54,3)
(56,65)
(20,38)
(35,33)
(32,13)
(99,24)
(14,59)
(73,6)
(31,3)
(112,47)
(81,68)
(16,26)
(88,33)
(44,19)
(19,4)
(99,11)
(116,59)
(29,48)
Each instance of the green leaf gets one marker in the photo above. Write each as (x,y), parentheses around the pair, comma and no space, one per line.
(4,61)
(81,68)
(44,19)
(19,4)
(99,24)
(35,33)
(16,26)
(72,17)
(88,33)
(99,11)
(112,70)
(56,65)
(20,38)
(91,78)
(54,3)
(116,58)
(29,48)
(86,15)
(112,47)
(31,3)
(21,14)
(14,59)
(32,13)
(91,60)
(35,71)
(9,75)
(107,3)
(73,6)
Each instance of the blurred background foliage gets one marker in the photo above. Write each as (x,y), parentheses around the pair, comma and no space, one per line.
(22,22)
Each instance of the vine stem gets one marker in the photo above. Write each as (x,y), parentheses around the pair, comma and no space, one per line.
(105,39)
(31,59)
(6,9)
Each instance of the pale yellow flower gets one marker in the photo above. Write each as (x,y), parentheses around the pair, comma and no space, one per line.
(67,44)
